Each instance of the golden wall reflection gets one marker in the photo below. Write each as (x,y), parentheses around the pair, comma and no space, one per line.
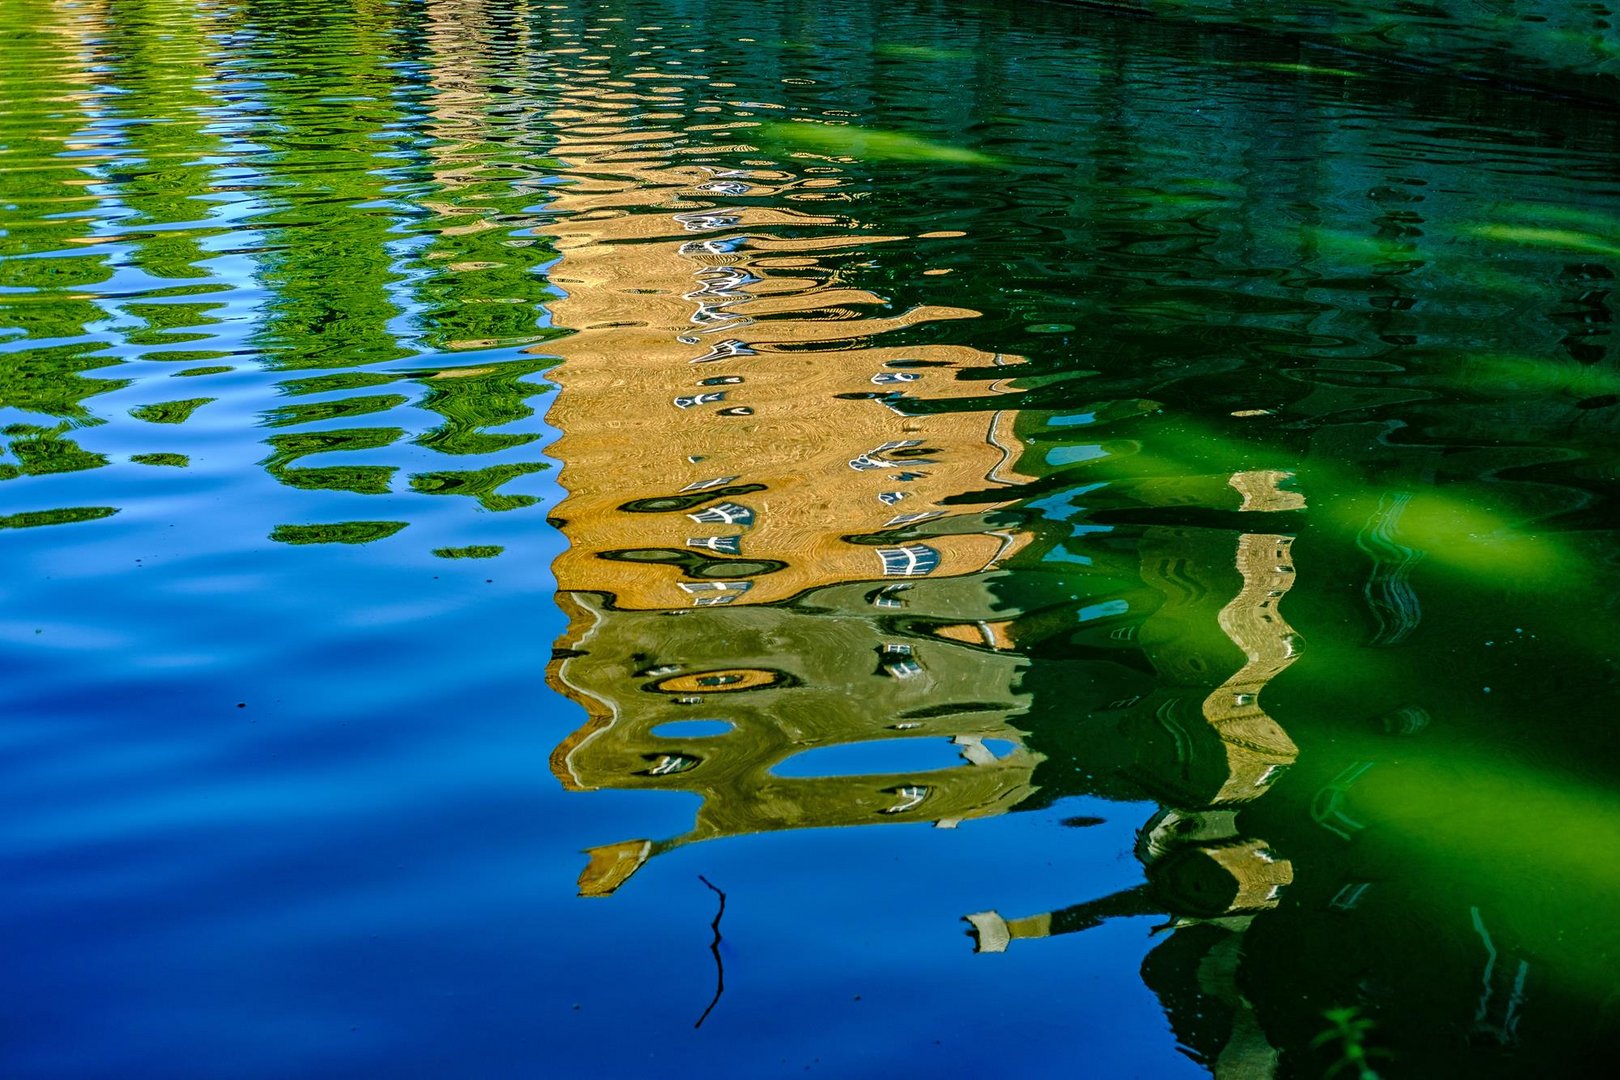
(758,529)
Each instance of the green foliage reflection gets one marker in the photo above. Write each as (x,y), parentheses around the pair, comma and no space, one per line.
(342,532)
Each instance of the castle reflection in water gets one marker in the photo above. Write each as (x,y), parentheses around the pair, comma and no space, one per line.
(796,524)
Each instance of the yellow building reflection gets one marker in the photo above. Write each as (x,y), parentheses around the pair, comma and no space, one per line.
(759,533)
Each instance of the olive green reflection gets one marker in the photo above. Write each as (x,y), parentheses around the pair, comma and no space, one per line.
(473,551)
(65,516)
(342,532)
(169,412)
(41,451)
(866,144)
(826,672)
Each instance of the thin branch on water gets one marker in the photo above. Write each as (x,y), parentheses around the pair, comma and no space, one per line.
(714,947)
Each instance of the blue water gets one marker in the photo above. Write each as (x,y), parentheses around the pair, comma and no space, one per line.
(301,304)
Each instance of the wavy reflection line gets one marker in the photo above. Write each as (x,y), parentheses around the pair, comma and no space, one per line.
(1200,866)
(1257,747)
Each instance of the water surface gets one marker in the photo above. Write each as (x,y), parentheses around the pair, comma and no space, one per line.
(1093,532)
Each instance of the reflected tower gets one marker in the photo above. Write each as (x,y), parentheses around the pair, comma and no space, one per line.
(1199,744)
(760,533)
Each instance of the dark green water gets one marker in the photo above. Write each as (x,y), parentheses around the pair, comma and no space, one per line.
(1091,527)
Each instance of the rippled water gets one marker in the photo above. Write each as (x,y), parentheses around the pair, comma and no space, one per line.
(981,539)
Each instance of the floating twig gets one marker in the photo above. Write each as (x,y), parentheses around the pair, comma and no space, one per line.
(714,947)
